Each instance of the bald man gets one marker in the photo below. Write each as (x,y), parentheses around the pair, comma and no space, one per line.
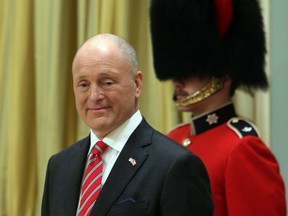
(138,171)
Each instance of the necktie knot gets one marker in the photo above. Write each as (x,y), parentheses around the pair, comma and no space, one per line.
(99,148)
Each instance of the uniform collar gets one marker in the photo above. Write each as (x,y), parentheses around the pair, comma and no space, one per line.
(212,119)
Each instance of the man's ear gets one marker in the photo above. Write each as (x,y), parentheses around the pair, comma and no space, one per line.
(138,83)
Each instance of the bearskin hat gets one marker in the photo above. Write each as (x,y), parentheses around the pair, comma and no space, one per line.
(209,37)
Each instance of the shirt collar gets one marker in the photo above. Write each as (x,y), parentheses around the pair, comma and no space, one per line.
(117,138)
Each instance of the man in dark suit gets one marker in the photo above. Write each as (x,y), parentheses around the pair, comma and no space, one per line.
(142,171)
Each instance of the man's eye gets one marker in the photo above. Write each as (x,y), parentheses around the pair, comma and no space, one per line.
(83,85)
(107,83)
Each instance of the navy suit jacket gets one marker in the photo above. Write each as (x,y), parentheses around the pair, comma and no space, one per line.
(168,180)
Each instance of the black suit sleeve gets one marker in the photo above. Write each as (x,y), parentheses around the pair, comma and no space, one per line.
(187,189)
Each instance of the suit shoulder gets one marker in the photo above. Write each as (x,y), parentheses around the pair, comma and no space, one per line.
(71,148)
(242,127)
(170,146)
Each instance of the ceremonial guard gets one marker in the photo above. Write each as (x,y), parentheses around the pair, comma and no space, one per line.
(209,48)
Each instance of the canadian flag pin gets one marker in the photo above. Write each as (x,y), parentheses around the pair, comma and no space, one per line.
(132,161)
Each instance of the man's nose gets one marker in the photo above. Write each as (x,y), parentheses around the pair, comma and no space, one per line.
(178,83)
(96,93)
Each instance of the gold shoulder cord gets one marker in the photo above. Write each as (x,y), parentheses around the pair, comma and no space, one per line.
(213,86)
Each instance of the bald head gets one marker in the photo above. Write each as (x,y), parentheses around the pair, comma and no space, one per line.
(107,43)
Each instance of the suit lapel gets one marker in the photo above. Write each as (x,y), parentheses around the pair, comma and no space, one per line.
(123,171)
(76,165)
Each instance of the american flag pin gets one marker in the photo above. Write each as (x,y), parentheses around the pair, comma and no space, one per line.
(132,161)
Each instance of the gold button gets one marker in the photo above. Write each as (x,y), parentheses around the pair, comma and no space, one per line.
(186,142)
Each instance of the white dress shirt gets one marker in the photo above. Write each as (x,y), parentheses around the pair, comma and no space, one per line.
(115,142)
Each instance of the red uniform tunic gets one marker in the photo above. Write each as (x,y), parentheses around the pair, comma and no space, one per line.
(244,174)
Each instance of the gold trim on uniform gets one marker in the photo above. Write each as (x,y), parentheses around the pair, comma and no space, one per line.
(213,86)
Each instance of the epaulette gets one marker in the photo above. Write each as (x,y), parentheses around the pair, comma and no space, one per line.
(242,127)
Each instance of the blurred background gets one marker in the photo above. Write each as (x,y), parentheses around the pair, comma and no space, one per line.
(38,40)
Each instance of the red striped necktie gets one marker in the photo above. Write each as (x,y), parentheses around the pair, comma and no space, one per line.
(91,186)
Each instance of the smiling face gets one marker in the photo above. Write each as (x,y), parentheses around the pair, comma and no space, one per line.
(106,86)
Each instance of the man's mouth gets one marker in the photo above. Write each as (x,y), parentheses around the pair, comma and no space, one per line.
(97,109)
(179,95)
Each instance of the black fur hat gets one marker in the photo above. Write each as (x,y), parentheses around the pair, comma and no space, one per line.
(209,37)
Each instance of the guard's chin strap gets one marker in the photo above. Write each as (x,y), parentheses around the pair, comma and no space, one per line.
(210,88)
